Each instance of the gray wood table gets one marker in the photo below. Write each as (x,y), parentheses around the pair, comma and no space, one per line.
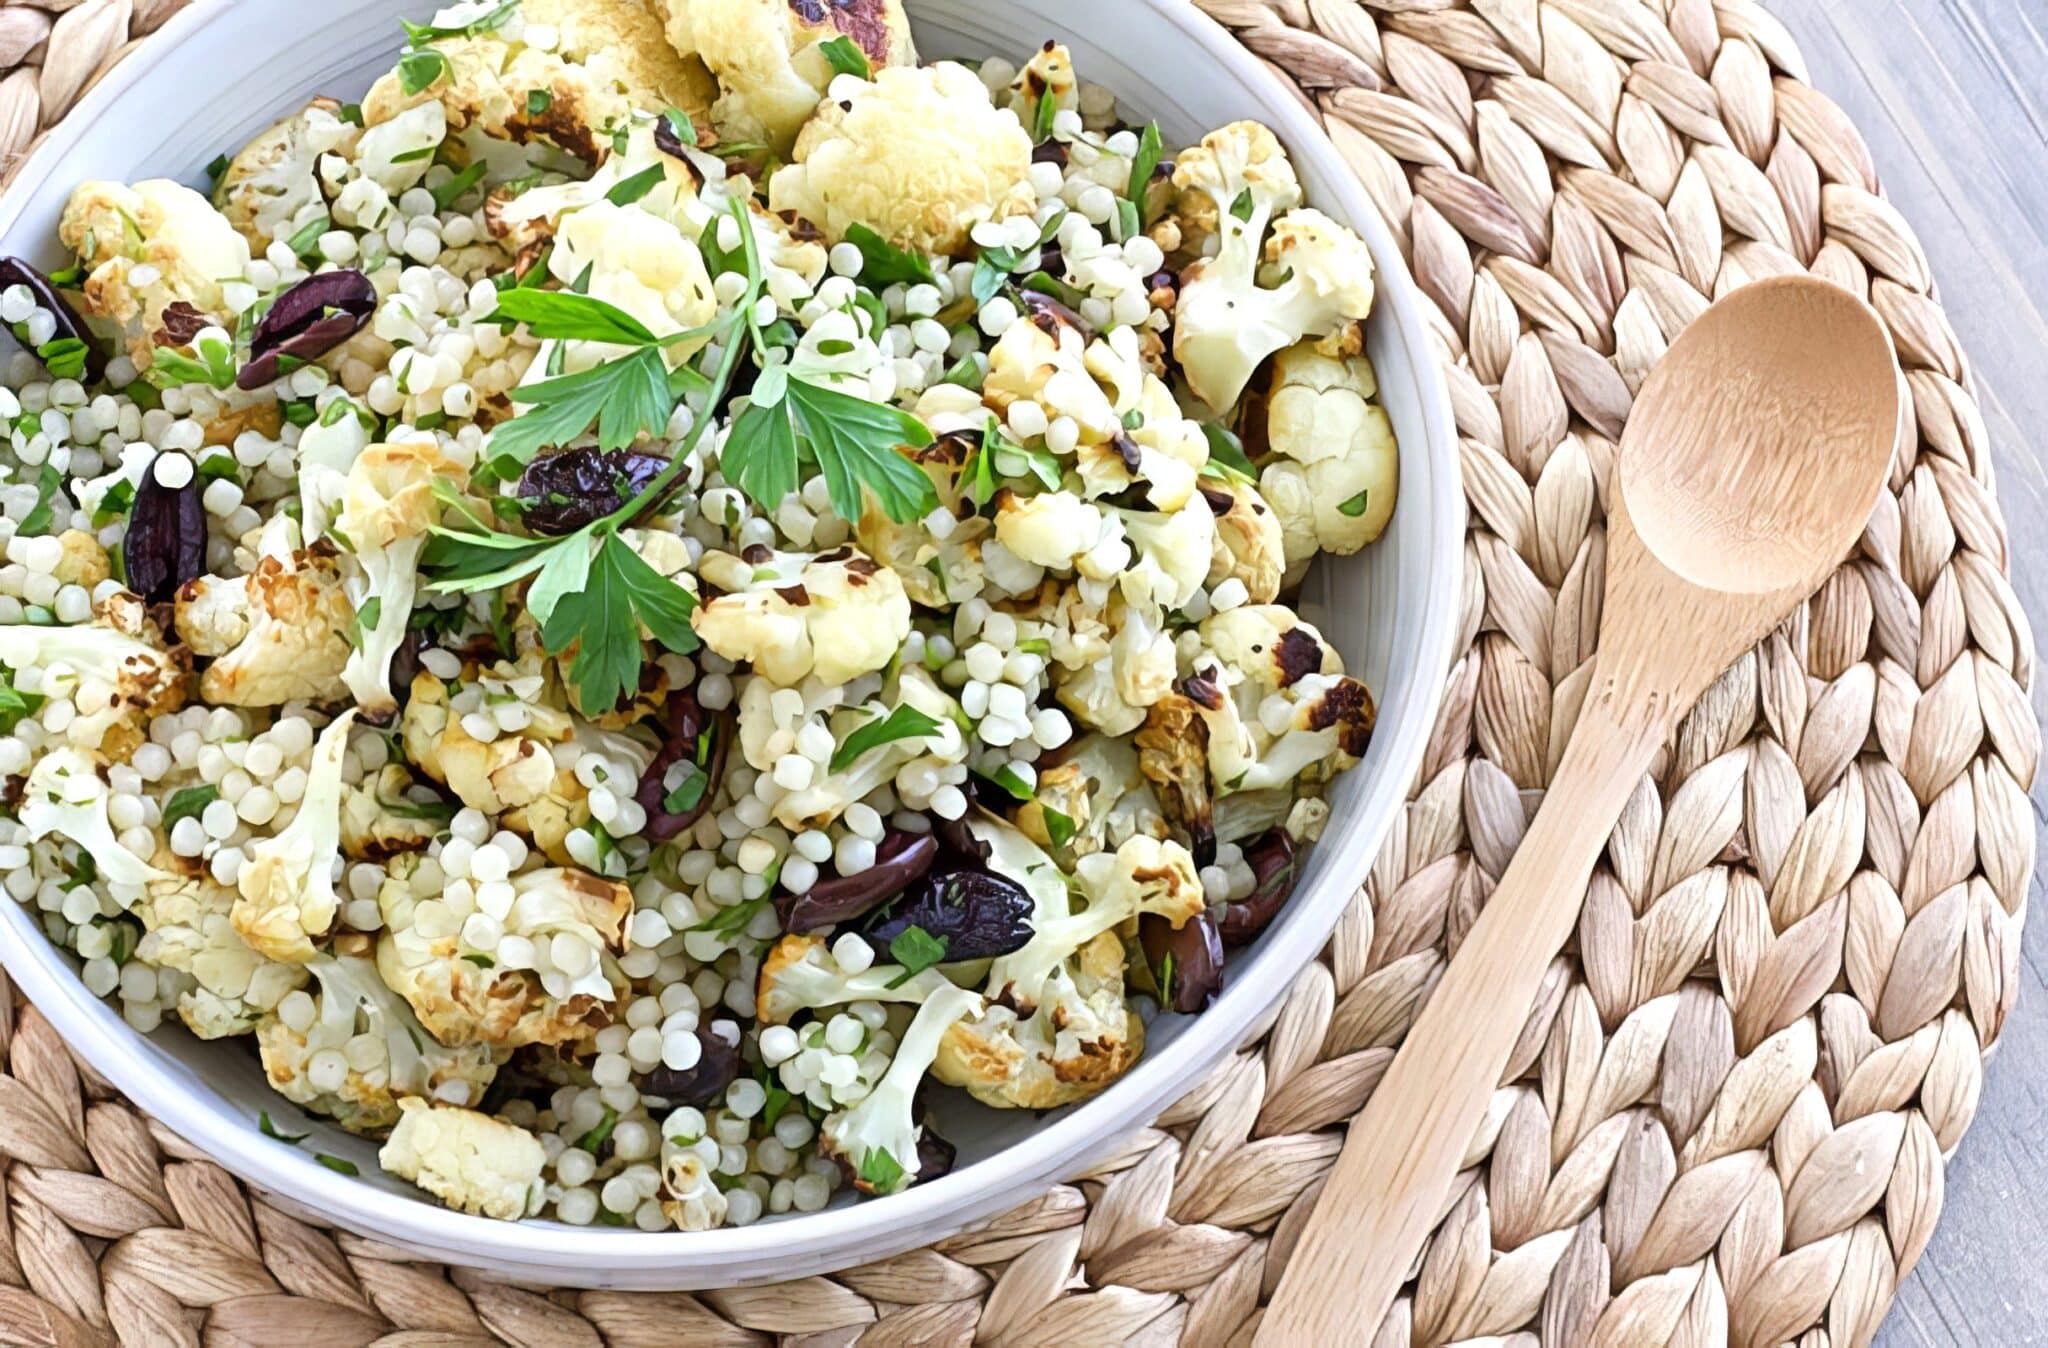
(1952,96)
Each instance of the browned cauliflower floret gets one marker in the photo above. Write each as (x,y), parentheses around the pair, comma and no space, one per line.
(279,634)
(182,248)
(609,58)
(115,669)
(506,773)
(1340,458)
(920,156)
(839,614)
(388,815)
(1251,545)
(765,56)
(1082,1036)
(470,1161)
(474,979)
(274,179)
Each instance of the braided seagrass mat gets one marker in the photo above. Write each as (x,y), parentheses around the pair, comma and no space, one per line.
(1727,1120)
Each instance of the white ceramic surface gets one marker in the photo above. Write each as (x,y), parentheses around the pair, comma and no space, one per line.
(223,70)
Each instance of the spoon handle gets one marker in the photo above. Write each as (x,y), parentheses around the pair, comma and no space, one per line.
(1404,1149)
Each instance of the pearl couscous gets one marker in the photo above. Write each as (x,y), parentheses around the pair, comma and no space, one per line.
(669,576)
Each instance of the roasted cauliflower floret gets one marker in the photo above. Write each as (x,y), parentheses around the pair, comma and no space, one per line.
(1321,413)
(187,926)
(1082,1036)
(350,1048)
(184,248)
(932,569)
(469,1161)
(287,884)
(387,815)
(877,1138)
(1045,361)
(278,634)
(609,58)
(838,615)
(1172,552)
(1251,542)
(800,973)
(387,511)
(494,776)
(920,156)
(1059,531)
(1094,796)
(531,973)
(1238,171)
(639,263)
(1143,875)
(114,670)
(764,54)
(275,177)
(1276,702)
(1050,71)
(1226,323)
(65,796)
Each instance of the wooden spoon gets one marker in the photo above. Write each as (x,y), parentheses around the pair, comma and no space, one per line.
(1751,462)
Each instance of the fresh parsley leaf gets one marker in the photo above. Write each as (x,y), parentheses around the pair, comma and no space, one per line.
(1241,205)
(689,794)
(336,1164)
(118,501)
(777,1102)
(594,1140)
(421,33)
(1042,118)
(562,315)
(1143,165)
(218,170)
(854,443)
(992,267)
(458,187)
(599,624)
(965,372)
(1226,454)
(685,130)
(623,398)
(538,101)
(43,514)
(367,618)
(880,1171)
(1356,505)
(904,723)
(420,70)
(1060,828)
(727,923)
(918,950)
(1129,224)
(306,243)
(481,961)
(16,705)
(269,1130)
(846,58)
(1164,978)
(883,263)
(173,369)
(64,357)
(188,803)
(1006,780)
(630,190)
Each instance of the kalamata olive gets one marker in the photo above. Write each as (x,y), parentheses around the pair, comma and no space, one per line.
(1051,315)
(901,860)
(566,491)
(935,1155)
(1050,151)
(166,540)
(307,321)
(1272,859)
(718,1064)
(1187,961)
(688,735)
(15,272)
(978,914)
(959,842)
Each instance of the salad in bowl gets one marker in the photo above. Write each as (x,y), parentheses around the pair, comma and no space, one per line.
(674,581)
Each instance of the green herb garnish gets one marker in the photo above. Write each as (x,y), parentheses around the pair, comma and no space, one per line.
(846,58)
(188,803)
(904,723)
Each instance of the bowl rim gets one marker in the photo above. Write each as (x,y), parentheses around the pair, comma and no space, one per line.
(841,1235)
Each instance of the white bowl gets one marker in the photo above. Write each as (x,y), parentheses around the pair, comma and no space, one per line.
(219,73)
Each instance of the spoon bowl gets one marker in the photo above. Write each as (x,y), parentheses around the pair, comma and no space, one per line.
(1735,513)
(1750,463)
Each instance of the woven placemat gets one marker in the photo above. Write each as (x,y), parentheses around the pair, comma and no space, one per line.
(1726,1122)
